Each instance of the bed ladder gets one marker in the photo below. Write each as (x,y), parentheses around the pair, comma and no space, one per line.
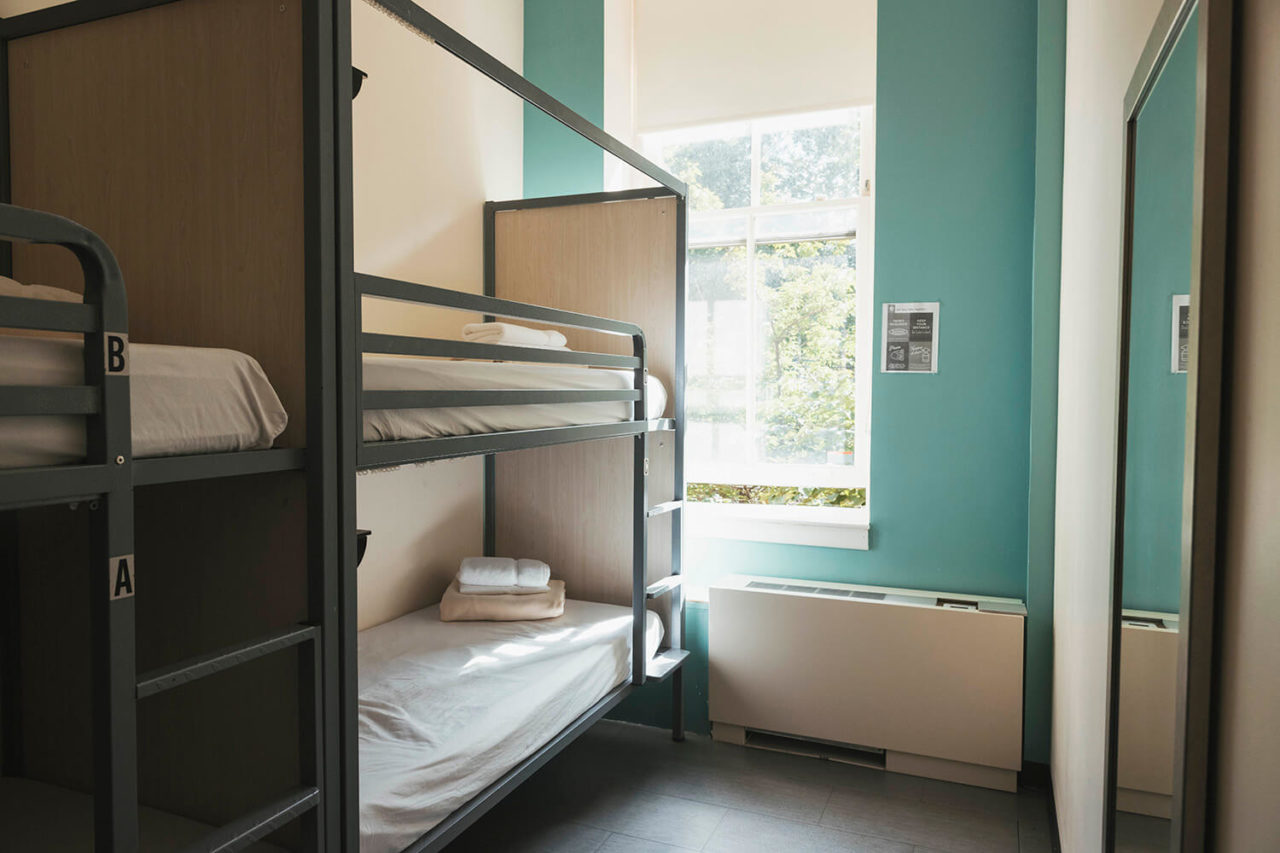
(305,639)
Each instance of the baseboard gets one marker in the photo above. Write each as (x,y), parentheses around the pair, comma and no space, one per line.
(1144,803)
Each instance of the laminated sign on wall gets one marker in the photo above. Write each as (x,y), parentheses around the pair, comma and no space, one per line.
(909,339)
(1181,347)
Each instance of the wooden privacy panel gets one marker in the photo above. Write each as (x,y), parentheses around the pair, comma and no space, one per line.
(571,505)
(615,260)
(176,133)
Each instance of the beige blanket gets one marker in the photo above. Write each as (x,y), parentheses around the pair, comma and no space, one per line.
(456,607)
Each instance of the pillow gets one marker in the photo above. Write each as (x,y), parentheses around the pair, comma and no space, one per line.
(9,287)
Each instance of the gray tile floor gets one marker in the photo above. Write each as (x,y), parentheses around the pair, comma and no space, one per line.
(629,789)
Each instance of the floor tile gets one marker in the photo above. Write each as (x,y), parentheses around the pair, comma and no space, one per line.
(629,789)
(745,832)
(920,822)
(653,817)
(1141,834)
(616,843)
(1035,827)
(491,834)
(765,793)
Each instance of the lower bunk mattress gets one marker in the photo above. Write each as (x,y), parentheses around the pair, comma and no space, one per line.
(447,708)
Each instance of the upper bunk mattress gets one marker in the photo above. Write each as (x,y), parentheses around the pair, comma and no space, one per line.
(182,400)
(390,373)
(447,708)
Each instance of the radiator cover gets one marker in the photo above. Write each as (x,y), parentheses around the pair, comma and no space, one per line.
(933,679)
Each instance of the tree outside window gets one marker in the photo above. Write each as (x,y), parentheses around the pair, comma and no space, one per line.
(774,375)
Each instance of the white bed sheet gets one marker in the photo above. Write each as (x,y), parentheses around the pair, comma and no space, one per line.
(447,708)
(182,400)
(389,373)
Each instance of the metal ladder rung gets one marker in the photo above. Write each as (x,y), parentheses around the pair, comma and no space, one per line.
(193,669)
(665,507)
(664,586)
(258,823)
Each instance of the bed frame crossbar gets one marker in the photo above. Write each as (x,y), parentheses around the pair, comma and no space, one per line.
(375,454)
(441,297)
(437,348)
(22,313)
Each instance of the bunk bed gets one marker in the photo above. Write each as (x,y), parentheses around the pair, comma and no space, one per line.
(124,723)
(132,117)
(425,774)
(595,432)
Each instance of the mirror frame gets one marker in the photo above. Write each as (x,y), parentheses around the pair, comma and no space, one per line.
(1210,282)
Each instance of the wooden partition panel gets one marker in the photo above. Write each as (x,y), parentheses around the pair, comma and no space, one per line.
(571,505)
(176,134)
(615,260)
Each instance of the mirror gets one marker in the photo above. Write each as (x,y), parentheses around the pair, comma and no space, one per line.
(1156,353)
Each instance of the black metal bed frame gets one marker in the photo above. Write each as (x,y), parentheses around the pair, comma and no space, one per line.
(335,342)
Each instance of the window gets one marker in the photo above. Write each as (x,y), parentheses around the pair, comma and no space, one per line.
(778,383)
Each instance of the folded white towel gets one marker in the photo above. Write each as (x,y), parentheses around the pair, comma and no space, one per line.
(476,589)
(510,333)
(532,573)
(488,571)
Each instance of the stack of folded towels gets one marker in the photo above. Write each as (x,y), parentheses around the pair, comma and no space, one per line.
(500,589)
(510,334)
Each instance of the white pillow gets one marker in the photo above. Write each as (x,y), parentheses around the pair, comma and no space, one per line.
(9,287)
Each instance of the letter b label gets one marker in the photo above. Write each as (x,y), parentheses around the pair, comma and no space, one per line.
(116,354)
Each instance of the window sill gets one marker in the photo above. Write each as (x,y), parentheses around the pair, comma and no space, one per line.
(826,527)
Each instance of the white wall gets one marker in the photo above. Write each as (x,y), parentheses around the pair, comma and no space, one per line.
(1104,41)
(712,60)
(433,140)
(1248,771)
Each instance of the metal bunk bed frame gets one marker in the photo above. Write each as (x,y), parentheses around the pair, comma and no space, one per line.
(334,452)
(109,474)
(359,454)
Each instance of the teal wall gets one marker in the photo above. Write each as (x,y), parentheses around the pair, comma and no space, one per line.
(959,188)
(564,55)
(1165,160)
(1046,268)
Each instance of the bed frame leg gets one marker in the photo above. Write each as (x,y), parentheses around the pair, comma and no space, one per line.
(677,704)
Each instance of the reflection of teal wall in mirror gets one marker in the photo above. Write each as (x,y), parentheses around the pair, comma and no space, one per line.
(1162,208)
(564,55)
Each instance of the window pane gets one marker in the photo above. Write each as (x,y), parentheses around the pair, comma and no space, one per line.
(717,354)
(718,171)
(809,163)
(839,222)
(705,231)
(804,394)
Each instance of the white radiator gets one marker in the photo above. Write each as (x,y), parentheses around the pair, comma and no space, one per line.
(923,683)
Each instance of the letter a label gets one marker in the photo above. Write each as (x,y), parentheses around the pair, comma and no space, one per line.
(115,354)
(121,577)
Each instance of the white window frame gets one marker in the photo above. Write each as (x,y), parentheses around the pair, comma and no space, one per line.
(852,476)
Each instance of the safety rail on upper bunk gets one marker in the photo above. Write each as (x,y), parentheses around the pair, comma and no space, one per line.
(104,398)
(103,318)
(374,454)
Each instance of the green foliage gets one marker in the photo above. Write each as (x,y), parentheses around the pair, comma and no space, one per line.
(802,327)
(806,394)
(726,493)
(718,171)
(808,164)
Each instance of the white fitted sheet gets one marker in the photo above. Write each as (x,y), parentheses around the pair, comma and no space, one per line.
(447,708)
(390,373)
(182,400)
